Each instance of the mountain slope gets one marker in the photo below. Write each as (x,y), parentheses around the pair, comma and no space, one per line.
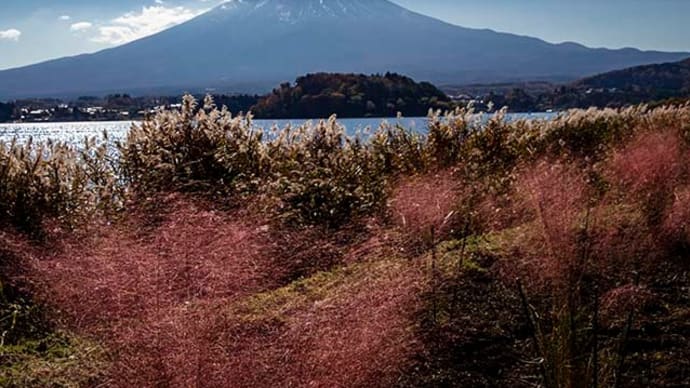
(665,77)
(658,84)
(250,45)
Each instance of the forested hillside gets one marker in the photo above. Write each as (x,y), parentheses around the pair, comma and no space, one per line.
(351,95)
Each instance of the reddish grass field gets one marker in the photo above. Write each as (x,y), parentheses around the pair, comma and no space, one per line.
(173,300)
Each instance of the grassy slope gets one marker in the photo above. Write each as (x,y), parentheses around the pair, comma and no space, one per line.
(57,360)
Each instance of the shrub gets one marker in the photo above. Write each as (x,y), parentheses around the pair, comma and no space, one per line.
(58,181)
(194,149)
(448,134)
(315,172)
(323,176)
(399,150)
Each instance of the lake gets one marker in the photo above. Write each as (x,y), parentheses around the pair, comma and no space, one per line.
(75,132)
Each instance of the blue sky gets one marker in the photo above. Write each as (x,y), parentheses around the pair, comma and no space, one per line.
(37,30)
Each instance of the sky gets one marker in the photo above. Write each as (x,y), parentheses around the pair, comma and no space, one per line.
(32,31)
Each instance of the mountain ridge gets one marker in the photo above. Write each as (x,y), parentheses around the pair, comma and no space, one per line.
(656,84)
(669,77)
(252,45)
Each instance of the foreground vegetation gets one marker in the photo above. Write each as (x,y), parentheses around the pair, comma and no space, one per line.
(483,253)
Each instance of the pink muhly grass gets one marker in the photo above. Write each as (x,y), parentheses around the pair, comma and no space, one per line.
(425,203)
(648,169)
(500,210)
(16,252)
(650,162)
(556,197)
(621,301)
(161,300)
(357,334)
(140,292)
(676,225)
(646,208)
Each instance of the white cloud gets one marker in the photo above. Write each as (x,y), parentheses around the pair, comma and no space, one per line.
(81,26)
(135,25)
(65,17)
(11,34)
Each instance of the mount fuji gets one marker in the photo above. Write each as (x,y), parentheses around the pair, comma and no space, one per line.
(252,45)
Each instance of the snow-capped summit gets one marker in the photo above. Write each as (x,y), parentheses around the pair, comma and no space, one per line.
(293,11)
(252,45)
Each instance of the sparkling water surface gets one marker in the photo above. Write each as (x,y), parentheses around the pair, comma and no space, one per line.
(76,132)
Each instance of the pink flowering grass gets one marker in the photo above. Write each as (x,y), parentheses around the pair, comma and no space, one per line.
(161,298)
(427,204)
